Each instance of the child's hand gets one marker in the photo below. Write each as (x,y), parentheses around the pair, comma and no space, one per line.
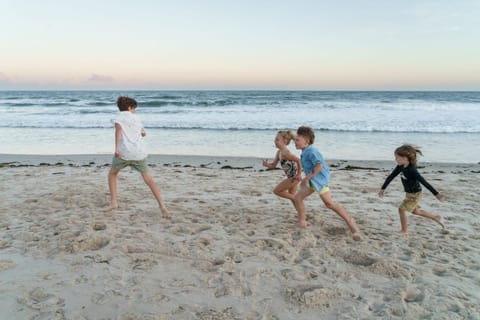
(117,154)
(265,163)
(304,183)
(381,193)
(143,133)
(440,197)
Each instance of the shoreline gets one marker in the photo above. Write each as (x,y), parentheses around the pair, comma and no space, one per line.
(217,162)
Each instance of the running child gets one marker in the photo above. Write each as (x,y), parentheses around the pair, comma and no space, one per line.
(317,180)
(290,164)
(130,151)
(406,158)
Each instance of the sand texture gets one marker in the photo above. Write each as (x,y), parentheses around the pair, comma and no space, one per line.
(231,249)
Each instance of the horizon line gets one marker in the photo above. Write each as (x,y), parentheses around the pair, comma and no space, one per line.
(259,89)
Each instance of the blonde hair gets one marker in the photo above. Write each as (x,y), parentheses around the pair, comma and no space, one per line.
(410,152)
(288,135)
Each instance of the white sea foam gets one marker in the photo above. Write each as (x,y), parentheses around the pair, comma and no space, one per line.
(244,122)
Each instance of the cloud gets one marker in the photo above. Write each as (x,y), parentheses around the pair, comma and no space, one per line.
(100,78)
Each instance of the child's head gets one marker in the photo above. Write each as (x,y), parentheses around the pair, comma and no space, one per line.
(284,137)
(307,133)
(407,152)
(305,137)
(124,103)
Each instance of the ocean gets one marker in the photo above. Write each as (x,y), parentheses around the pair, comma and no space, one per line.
(351,125)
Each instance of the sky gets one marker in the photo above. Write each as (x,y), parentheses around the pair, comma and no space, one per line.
(261,44)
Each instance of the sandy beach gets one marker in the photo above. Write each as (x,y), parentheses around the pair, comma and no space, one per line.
(231,249)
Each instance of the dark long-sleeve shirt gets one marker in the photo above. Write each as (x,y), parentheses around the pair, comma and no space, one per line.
(411,179)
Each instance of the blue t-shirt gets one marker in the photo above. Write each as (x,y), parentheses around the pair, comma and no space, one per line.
(310,157)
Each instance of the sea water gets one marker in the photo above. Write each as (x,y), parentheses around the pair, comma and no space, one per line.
(355,125)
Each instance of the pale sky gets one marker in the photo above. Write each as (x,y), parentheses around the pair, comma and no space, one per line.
(240,44)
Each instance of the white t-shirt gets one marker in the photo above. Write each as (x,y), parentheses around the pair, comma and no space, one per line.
(132,146)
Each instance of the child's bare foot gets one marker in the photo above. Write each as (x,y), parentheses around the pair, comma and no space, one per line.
(356,236)
(404,233)
(354,229)
(353,226)
(110,208)
(302,223)
(165,213)
(440,221)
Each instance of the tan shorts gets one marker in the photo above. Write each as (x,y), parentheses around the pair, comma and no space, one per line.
(411,201)
(139,165)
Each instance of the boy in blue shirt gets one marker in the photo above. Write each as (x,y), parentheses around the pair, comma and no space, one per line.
(317,178)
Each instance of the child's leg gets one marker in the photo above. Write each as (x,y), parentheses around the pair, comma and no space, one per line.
(112,186)
(338,209)
(403,221)
(423,213)
(286,189)
(302,193)
(156,192)
(293,191)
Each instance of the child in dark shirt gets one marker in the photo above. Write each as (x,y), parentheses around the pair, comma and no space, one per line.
(406,158)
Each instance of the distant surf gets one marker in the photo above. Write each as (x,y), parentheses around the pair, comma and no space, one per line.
(222,115)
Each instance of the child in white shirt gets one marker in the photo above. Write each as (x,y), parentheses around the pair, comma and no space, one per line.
(130,151)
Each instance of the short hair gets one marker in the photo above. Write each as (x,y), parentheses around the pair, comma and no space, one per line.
(306,132)
(124,102)
(410,152)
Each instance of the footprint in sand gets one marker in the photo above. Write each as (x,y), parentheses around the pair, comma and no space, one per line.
(439,271)
(311,296)
(4,244)
(335,231)
(95,243)
(99,226)
(42,300)
(359,258)
(392,269)
(7,264)
(413,295)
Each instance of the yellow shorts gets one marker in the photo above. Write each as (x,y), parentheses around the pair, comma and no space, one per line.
(325,189)
(411,201)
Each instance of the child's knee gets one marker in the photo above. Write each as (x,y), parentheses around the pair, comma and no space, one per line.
(417,211)
(330,204)
(147,178)
(298,198)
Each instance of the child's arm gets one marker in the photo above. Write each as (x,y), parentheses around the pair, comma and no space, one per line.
(389,179)
(274,163)
(316,170)
(427,185)
(118,135)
